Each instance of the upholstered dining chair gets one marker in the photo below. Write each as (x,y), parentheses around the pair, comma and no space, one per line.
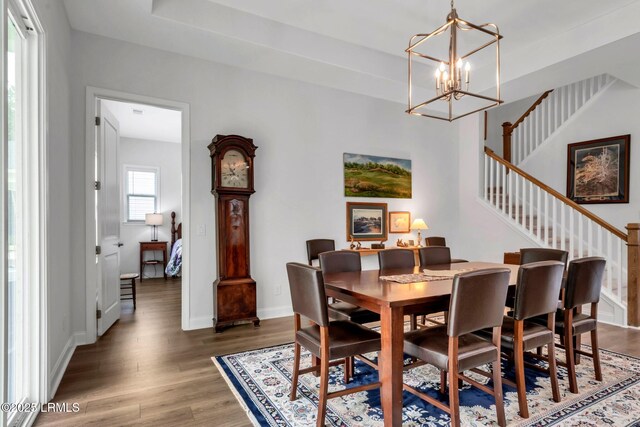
(434,255)
(329,340)
(317,246)
(396,258)
(435,241)
(477,302)
(345,262)
(537,292)
(584,282)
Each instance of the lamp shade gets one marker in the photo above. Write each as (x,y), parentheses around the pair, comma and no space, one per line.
(419,224)
(153,219)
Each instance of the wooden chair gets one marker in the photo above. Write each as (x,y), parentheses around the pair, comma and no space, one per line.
(435,241)
(584,282)
(477,302)
(536,294)
(316,246)
(328,340)
(128,282)
(344,262)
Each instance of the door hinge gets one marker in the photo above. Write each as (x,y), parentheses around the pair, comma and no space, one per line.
(98,314)
(97,185)
(97,121)
(98,250)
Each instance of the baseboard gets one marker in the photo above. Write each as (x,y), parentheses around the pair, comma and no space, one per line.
(56,374)
(275,312)
(199,323)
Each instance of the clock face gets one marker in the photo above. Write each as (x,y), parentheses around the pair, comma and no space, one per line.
(234,170)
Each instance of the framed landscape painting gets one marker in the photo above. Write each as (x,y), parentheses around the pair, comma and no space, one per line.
(366,221)
(373,176)
(598,170)
(399,222)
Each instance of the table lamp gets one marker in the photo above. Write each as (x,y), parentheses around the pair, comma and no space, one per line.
(154,219)
(419,224)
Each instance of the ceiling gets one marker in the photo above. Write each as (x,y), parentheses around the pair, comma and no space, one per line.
(358,45)
(146,122)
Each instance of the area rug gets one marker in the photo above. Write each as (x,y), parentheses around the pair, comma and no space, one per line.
(261,381)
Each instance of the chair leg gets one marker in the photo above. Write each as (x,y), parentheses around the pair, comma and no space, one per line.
(324,389)
(577,345)
(133,291)
(520,380)
(348,369)
(571,366)
(414,322)
(454,398)
(296,369)
(596,354)
(497,391)
(553,372)
(443,382)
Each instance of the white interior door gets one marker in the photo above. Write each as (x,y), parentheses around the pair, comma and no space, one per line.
(108,219)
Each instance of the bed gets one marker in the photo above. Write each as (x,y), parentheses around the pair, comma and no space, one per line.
(174,266)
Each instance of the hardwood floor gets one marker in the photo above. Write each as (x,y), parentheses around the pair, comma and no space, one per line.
(146,371)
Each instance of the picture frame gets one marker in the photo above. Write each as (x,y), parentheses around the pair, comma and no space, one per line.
(375,176)
(366,221)
(399,222)
(598,170)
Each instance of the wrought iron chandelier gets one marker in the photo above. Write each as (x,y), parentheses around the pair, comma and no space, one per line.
(450,86)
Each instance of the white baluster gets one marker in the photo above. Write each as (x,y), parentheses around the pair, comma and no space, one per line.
(504,189)
(563,243)
(580,236)
(554,224)
(572,239)
(619,270)
(486,171)
(491,172)
(589,237)
(600,242)
(517,199)
(539,214)
(608,257)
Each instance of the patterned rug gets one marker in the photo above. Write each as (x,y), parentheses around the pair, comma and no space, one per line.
(261,381)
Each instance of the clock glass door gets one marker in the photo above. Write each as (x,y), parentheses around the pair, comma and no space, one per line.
(234,170)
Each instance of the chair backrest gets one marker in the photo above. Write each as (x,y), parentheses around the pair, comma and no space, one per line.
(432,255)
(317,246)
(396,258)
(538,288)
(435,241)
(477,300)
(340,261)
(528,255)
(308,297)
(584,281)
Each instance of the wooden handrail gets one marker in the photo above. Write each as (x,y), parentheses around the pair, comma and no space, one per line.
(564,199)
(533,107)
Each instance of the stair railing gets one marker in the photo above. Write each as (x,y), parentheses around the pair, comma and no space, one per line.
(508,128)
(555,221)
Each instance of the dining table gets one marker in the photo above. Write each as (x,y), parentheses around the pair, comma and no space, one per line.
(393,300)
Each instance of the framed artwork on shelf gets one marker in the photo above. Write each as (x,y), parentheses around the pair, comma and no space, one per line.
(374,176)
(366,221)
(399,222)
(598,170)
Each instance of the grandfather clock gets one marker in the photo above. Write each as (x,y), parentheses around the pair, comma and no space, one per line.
(232,184)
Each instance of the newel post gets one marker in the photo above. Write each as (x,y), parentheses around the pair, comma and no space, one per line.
(507,130)
(633,275)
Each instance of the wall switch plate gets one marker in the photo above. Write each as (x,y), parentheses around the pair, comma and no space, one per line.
(202,230)
(277,290)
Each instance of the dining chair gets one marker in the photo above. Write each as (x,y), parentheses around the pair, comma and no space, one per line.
(584,282)
(345,262)
(477,302)
(434,255)
(336,340)
(435,241)
(396,258)
(317,246)
(537,292)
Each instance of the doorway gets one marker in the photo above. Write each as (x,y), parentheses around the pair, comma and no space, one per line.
(139,199)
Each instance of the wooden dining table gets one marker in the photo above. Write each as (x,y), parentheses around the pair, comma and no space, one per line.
(393,300)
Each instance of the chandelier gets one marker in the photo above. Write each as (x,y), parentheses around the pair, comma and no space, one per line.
(451,97)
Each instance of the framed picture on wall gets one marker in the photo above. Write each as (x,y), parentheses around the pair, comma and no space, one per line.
(375,176)
(598,170)
(366,221)
(399,222)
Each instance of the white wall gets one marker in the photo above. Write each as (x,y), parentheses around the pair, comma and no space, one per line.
(482,234)
(166,157)
(301,131)
(612,113)
(58,64)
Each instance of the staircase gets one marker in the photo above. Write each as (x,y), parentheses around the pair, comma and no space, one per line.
(551,220)
(550,111)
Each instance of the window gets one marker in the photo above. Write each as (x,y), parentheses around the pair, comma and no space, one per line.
(141,192)
(23,253)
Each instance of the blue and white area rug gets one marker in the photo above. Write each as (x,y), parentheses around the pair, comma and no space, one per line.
(261,380)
